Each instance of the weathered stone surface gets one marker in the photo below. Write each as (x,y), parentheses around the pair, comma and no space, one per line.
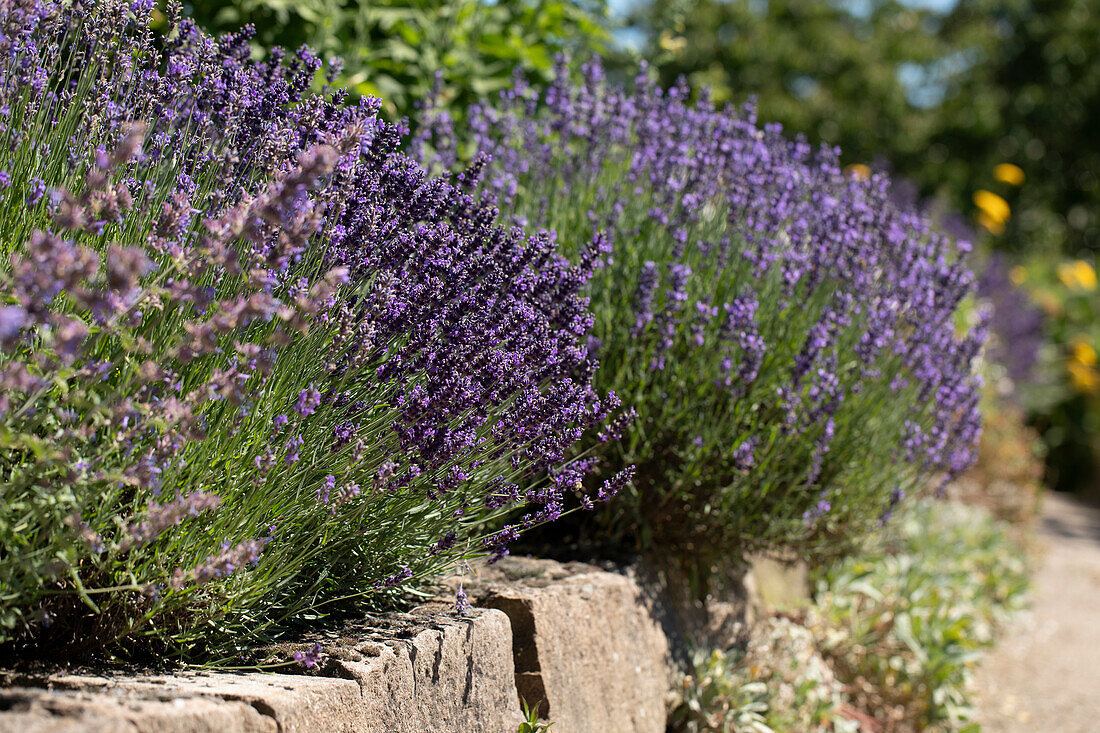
(30,710)
(407,672)
(586,643)
(456,674)
(294,702)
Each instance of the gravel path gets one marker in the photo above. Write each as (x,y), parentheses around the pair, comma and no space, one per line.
(1045,673)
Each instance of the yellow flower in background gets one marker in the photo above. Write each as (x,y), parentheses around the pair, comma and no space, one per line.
(1078,275)
(991,224)
(1081,366)
(1018,275)
(1085,378)
(1083,353)
(858,171)
(1086,275)
(1013,175)
(992,205)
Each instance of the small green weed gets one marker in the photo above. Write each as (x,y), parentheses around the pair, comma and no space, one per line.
(531,723)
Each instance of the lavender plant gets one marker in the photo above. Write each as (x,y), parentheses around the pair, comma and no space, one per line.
(784,331)
(256,364)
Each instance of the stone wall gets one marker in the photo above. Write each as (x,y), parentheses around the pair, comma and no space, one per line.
(596,650)
(417,672)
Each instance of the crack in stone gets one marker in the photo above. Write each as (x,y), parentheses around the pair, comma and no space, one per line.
(412,662)
(525,653)
(437,662)
(469,680)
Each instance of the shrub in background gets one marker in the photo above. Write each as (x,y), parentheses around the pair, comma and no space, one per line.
(401,50)
(888,643)
(256,365)
(783,330)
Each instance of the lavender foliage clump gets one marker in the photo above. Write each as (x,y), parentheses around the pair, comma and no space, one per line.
(785,331)
(255,361)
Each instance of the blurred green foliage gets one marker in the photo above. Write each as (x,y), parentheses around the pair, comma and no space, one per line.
(1064,396)
(814,66)
(779,682)
(395,48)
(904,622)
(943,96)
(1048,73)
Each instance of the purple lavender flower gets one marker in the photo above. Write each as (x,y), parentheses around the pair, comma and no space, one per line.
(230,560)
(89,536)
(617,426)
(397,578)
(1017,325)
(744,455)
(310,657)
(326,489)
(308,400)
(386,472)
(343,434)
(896,497)
(644,295)
(462,603)
(293,446)
(12,319)
(348,491)
(817,512)
(616,483)
(36,190)
(159,517)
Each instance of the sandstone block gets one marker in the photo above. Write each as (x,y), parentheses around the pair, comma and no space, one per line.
(455,674)
(587,645)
